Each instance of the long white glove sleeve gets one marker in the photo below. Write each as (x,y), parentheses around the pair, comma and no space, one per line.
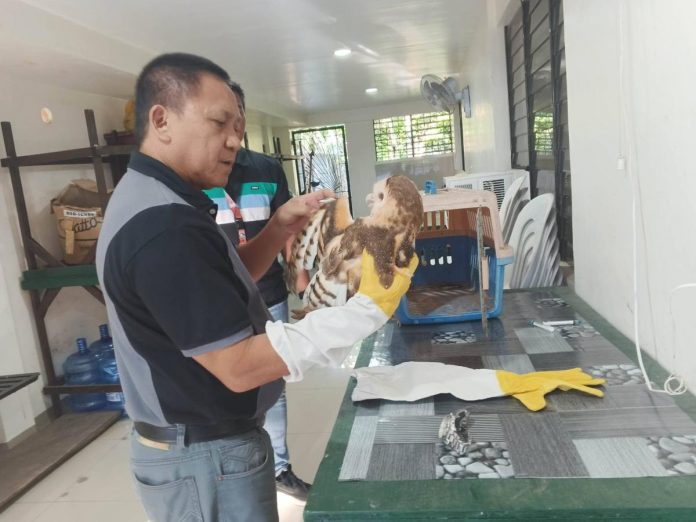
(411,381)
(325,336)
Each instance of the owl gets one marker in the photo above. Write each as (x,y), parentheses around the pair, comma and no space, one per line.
(333,243)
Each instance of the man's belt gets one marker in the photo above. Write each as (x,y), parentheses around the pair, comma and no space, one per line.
(195,432)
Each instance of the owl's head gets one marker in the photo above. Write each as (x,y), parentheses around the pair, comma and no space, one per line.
(395,202)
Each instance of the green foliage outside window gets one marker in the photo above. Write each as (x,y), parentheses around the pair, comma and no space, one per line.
(543,133)
(413,135)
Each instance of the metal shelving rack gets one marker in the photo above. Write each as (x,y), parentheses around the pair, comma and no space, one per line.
(45,275)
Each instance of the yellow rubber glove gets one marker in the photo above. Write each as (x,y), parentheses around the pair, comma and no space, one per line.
(530,388)
(386,298)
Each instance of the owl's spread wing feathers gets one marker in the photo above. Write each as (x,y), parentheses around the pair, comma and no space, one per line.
(333,244)
(310,246)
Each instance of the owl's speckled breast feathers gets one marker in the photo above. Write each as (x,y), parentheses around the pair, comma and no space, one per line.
(333,243)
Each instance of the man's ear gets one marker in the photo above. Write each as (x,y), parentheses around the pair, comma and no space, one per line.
(159,123)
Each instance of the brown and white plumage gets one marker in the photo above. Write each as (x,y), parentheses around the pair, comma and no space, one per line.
(333,243)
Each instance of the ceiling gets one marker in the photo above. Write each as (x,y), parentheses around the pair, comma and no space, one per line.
(281,51)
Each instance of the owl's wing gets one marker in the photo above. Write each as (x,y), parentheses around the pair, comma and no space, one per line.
(323,291)
(309,247)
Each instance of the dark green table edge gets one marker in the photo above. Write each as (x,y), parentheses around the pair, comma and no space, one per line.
(654,499)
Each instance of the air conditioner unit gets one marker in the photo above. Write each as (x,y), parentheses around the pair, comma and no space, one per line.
(496,182)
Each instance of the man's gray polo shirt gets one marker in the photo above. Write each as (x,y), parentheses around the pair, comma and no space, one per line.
(175,287)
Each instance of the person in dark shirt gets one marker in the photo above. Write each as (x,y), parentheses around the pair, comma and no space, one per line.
(258,187)
(200,359)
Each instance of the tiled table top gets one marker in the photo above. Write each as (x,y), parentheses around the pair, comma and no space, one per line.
(384,459)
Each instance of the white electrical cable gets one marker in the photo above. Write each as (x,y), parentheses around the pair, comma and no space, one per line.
(678,385)
(675,384)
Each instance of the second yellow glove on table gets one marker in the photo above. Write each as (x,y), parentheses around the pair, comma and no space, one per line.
(412,381)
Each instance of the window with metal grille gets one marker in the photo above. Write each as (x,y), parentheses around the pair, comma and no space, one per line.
(413,136)
(536,67)
(322,160)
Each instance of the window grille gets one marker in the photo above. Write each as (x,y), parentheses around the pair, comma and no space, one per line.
(413,136)
(537,93)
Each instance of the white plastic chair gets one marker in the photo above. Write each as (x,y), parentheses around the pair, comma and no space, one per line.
(516,197)
(546,262)
(534,241)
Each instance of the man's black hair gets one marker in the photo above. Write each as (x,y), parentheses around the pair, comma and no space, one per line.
(169,80)
(237,89)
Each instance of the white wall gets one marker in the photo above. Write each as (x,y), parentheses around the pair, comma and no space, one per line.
(487,132)
(74,313)
(260,136)
(255,135)
(286,148)
(658,142)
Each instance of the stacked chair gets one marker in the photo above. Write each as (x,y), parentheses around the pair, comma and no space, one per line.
(516,197)
(534,238)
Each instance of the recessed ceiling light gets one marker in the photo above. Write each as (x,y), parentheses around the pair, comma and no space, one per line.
(371,90)
(342,53)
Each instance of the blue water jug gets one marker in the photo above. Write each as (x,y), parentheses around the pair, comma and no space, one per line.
(83,368)
(108,372)
(104,344)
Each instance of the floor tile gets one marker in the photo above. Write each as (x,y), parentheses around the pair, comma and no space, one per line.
(306,452)
(418,429)
(676,453)
(454,337)
(289,510)
(421,348)
(518,363)
(617,374)
(109,479)
(356,460)
(539,447)
(402,462)
(445,404)
(615,397)
(118,431)
(485,428)
(498,347)
(94,511)
(24,512)
(477,460)
(577,359)
(368,408)
(536,340)
(313,410)
(595,345)
(62,479)
(633,422)
(619,457)
(399,408)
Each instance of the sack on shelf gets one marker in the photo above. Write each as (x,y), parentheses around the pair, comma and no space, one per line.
(79,219)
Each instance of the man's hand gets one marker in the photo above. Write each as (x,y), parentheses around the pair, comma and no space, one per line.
(258,254)
(295,213)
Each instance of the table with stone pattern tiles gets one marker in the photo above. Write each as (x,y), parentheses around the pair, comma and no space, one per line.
(631,432)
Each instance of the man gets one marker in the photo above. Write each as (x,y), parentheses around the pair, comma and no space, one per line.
(258,186)
(199,359)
